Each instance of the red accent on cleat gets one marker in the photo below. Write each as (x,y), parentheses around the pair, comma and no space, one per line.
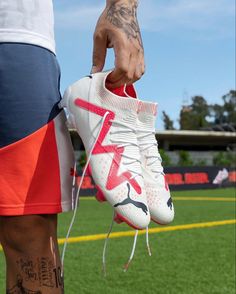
(100,196)
(114,179)
(119,219)
(166,184)
(120,91)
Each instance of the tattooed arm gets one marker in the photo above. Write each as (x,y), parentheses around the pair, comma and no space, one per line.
(118,28)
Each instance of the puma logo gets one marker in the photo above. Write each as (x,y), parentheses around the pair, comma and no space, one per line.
(135,203)
(170,203)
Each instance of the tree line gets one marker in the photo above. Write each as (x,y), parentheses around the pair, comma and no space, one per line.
(199,114)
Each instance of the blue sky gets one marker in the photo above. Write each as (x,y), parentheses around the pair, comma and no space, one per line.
(189,48)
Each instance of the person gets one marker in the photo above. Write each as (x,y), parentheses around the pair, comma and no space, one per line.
(36,156)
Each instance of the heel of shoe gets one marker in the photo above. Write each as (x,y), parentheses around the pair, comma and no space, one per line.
(71,120)
(64,101)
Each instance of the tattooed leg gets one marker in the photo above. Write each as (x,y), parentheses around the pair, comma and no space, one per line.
(32,256)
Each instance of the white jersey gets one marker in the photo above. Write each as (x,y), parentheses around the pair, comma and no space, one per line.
(27,21)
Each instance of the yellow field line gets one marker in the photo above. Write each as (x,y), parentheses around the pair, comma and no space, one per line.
(182,198)
(151,231)
(205,198)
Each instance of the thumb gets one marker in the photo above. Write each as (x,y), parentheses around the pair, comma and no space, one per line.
(99,53)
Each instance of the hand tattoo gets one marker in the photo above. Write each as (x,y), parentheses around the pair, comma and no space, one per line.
(124,16)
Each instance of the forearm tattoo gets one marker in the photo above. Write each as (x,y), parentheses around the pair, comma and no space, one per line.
(40,272)
(123,15)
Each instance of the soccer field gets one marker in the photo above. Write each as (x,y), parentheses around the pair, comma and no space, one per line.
(195,254)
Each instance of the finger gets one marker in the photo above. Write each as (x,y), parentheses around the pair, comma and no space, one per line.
(140,67)
(131,76)
(114,85)
(122,60)
(118,77)
(136,69)
(99,52)
(143,66)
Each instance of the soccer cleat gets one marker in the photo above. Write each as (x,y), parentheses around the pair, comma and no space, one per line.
(107,125)
(221,176)
(157,190)
(158,194)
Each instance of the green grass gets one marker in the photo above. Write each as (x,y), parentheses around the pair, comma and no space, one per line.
(192,261)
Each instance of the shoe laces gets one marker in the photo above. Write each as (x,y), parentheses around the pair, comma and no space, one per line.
(105,245)
(127,264)
(149,148)
(132,159)
(123,137)
(77,194)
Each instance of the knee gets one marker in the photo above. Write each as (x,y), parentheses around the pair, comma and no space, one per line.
(27,233)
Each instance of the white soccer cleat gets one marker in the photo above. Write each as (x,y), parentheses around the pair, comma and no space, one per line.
(107,125)
(157,190)
(221,176)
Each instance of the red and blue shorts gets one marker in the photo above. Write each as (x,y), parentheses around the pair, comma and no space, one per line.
(36,154)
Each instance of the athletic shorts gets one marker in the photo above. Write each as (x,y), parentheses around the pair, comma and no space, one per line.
(36,154)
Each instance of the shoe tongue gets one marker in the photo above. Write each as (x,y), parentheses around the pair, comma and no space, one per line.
(117,99)
(119,91)
(117,102)
(130,91)
(124,91)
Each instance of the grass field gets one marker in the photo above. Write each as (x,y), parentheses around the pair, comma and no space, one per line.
(185,260)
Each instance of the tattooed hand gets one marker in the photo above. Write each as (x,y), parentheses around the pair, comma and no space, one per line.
(118,28)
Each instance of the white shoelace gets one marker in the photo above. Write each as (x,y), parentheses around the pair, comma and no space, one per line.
(105,245)
(147,243)
(132,159)
(146,142)
(126,129)
(77,194)
(126,266)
